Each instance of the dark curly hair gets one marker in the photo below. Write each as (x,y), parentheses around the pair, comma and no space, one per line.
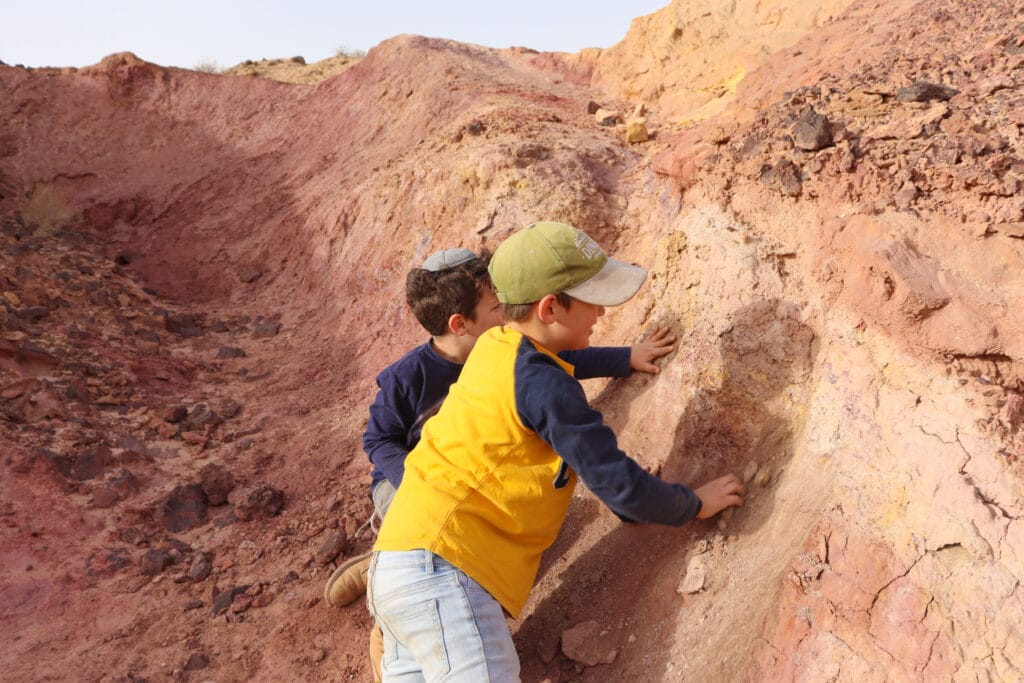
(436,296)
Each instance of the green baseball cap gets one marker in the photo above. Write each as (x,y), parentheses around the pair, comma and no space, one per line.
(548,258)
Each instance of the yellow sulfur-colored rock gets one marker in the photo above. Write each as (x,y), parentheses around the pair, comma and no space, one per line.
(636,130)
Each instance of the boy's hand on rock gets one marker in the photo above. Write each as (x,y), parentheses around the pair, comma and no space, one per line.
(719,494)
(656,344)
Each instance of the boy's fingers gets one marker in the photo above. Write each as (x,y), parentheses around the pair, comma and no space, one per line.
(735,486)
(662,350)
(659,334)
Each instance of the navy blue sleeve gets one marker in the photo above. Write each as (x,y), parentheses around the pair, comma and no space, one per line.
(387,432)
(599,361)
(553,404)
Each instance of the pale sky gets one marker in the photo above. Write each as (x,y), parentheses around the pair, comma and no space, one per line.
(188,32)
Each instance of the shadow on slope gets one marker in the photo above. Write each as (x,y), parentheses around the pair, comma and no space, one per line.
(626,579)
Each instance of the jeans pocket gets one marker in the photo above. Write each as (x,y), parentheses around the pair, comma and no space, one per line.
(421,632)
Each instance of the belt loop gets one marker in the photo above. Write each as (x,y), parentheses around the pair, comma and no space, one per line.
(428,562)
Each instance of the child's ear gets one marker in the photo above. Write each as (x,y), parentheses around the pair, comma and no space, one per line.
(457,324)
(546,309)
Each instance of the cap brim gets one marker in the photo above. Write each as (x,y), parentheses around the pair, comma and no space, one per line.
(614,284)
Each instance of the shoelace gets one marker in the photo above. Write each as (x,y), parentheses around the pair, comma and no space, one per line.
(372,523)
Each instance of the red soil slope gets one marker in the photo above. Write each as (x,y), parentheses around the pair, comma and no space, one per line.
(201,276)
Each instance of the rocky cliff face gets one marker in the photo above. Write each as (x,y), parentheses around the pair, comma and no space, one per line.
(689,58)
(201,276)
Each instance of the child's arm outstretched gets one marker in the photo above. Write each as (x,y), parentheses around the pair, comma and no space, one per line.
(658,342)
(621,361)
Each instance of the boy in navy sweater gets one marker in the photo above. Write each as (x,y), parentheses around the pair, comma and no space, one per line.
(452,298)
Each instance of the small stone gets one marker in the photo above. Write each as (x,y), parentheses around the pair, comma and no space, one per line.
(636,130)
(605,117)
(184,325)
(592,107)
(200,416)
(18,387)
(783,177)
(196,662)
(589,644)
(172,413)
(718,136)
(105,562)
(1015,229)
(248,275)
(241,603)
(32,314)
(725,517)
(154,561)
(262,600)
(905,195)
(216,482)
(265,330)
(36,360)
(260,502)
(750,471)
(924,91)
(104,497)
(350,525)
(812,131)
(224,599)
(132,535)
(762,478)
(201,567)
(230,352)
(227,519)
(183,508)
(331,547)
(124,483)
(694,578)
(191,605)
(12,298)
(227,408)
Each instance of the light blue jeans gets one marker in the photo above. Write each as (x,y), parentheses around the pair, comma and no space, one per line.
(438,624)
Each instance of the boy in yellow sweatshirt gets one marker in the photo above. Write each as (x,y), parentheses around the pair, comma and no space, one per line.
(487,488)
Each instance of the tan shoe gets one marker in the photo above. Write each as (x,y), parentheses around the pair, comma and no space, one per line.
(348,582)
(376,653)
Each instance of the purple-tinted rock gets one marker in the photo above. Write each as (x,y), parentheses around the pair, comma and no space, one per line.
(260,502)
(923,91)
(184,508)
